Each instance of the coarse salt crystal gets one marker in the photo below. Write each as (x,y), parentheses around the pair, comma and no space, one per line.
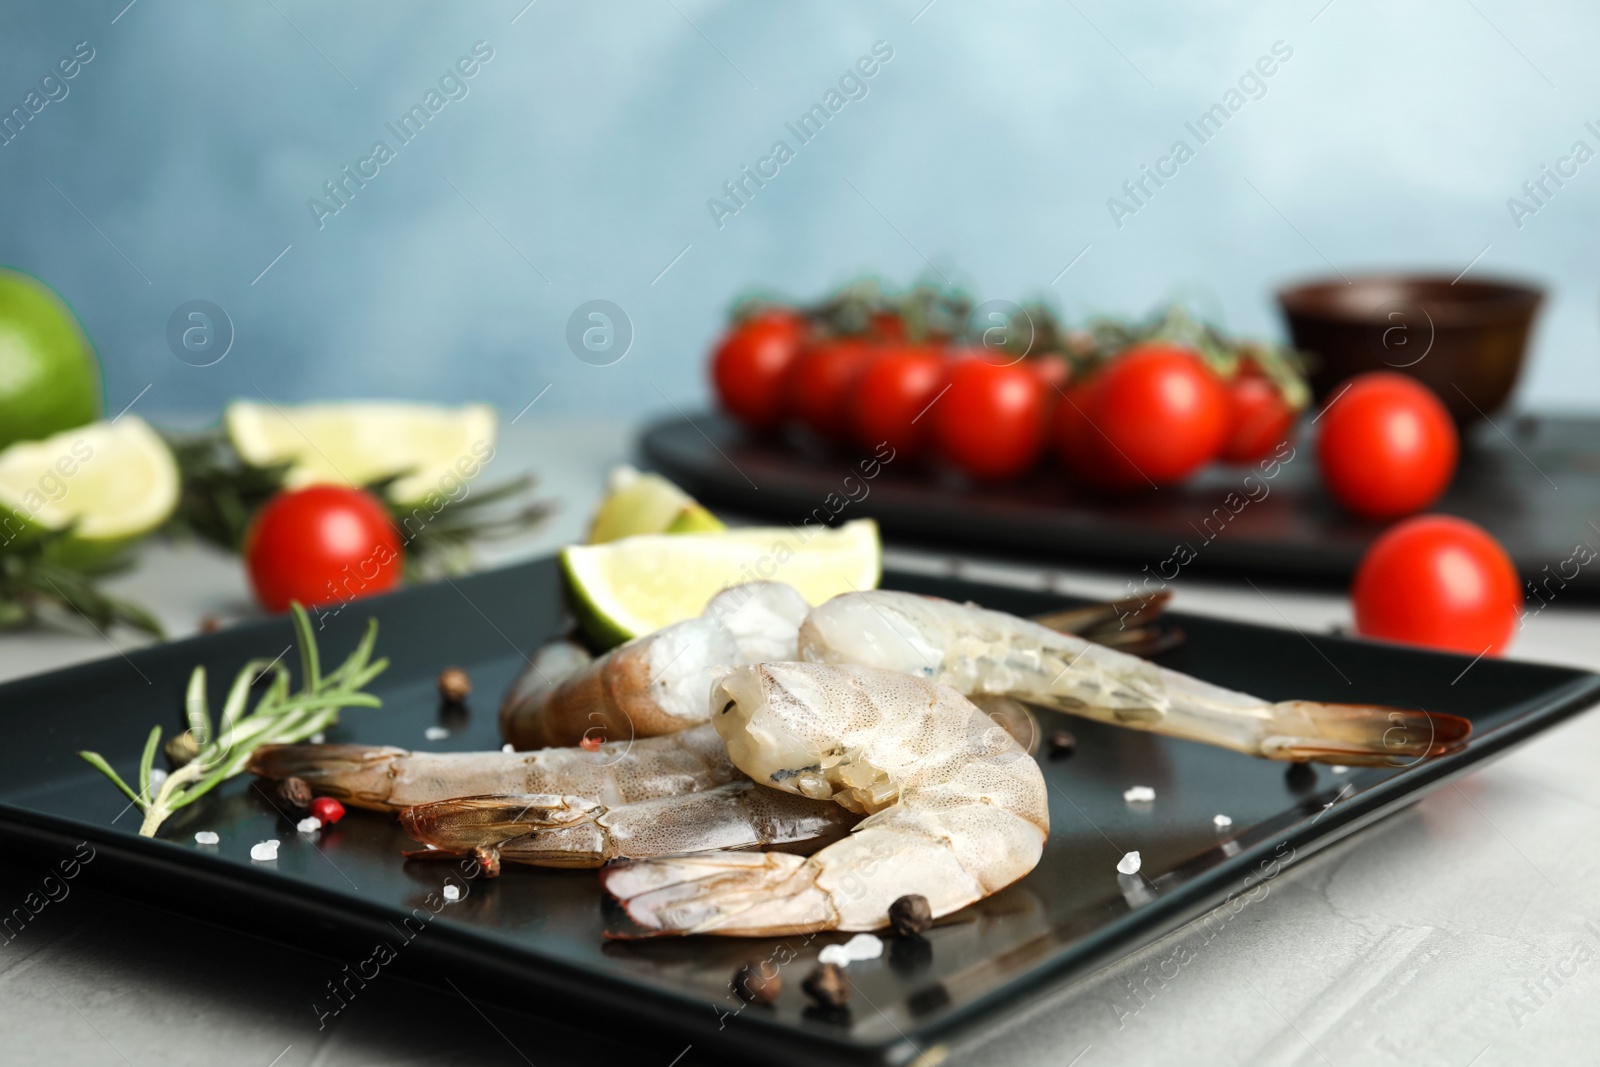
(436,733)
(1338,769)
(309,825)
(1139,794)
(264,851)
(864,947)
(508,747)
(859,947)
(1129,864)
(452,893)
(318,737)
(206,837)
(1221,822)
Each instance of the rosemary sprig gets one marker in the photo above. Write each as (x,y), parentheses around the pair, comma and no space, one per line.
(221,494)
(442,543)
(279,718)
(220,491)
(33,577)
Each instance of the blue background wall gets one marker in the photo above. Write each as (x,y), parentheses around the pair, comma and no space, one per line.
(580,162)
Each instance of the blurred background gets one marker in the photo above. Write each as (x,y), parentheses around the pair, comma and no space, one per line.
(577,164)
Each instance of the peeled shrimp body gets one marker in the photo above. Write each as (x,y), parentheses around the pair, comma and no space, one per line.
(555,831)
(385,778)
(980,652)
(655,684)
(956,810)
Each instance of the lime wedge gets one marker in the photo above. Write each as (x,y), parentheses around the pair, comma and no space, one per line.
(434,449)
(638,503)
(640,584)
(116,481)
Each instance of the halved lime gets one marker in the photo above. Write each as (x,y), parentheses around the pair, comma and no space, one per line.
(640,584)
(49,375)
(434,449)
(111,481)
(638,503)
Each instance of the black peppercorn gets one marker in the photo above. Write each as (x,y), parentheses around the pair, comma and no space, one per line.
(828,986)
(296,795)
(758,982)
(454,685)
(910,915)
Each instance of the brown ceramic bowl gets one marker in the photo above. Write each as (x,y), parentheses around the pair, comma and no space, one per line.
(1464,339)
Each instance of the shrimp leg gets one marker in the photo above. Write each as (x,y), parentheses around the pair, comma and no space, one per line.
(956,809)
(980,652)
(566,832)
(384,778)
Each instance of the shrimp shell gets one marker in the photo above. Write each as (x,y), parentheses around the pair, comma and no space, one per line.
(385,778)
(981,652)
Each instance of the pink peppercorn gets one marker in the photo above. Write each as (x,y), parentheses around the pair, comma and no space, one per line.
(328,810)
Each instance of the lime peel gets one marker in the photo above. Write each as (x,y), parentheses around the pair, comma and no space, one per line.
(49,374)
(642,503)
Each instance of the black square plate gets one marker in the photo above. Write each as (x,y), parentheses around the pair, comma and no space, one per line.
(1272,519)
(534,937)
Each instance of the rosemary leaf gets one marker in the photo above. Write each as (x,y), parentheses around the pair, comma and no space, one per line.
(147,761)
(97,761)
(310,664)
(195,709)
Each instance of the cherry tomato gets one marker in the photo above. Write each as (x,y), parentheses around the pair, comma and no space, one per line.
(324,544)
(751,361)
(1259,421)
(1053,372)
(821,381)
(892,397)
(1155,415)
(990,422)
(888,327)
(1439,581)
(1081,445)
(1388,446)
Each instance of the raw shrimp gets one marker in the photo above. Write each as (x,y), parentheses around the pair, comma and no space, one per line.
(955,808)
(551,665)
(979,652)
(554,831)
(385,778)
(658,683)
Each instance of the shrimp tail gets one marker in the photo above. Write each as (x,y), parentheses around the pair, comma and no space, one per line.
(1361,734)
(749,894)
(469,824)
(361,775)
(551,831)
(1129,611)
(523,705)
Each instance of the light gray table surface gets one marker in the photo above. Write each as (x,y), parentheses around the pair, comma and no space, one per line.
(1462,931)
